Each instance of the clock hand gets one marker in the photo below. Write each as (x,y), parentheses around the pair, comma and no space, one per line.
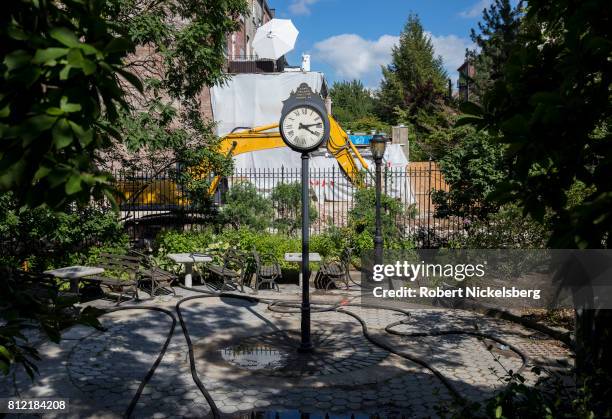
(311,125)
(305,127)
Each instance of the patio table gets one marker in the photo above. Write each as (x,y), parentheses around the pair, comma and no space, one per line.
(188,259)
(297,258)
(74,273)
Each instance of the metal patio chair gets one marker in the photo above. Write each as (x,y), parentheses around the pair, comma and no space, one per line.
(231,269)
(267,270)
(335,272)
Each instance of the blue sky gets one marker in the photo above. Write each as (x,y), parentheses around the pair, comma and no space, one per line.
(352,38)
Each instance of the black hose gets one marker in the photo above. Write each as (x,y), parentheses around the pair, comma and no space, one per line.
(130,410)
(274,305)
(524,357)
(194,373)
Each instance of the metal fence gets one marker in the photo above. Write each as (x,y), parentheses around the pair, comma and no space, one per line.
(155,201)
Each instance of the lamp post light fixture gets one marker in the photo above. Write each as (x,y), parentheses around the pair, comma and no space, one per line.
(378,144)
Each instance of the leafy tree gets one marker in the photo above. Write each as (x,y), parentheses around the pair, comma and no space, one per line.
(351,101)
(472,169)
(182,52)
(414,77)
(287,199)
(245,207)
(495,39)
(59,98)
(367,124)
(551,106)
(413,89)
(362,219)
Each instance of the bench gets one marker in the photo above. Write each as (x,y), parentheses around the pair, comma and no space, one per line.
(121,274)
(157,277)
(231,269)
(335,272)
(267,270)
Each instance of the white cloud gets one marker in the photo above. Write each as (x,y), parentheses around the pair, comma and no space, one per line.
(301,7)
(353,57)
(476,9)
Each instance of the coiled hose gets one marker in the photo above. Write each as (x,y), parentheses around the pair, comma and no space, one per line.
(285,306)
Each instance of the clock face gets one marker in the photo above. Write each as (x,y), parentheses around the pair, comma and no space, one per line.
(303,127)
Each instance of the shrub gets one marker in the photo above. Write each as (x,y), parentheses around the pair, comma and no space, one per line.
(44,239)
(362,219)
(472,170)
(506,228)
(287,199)
(172,241)
(244,207)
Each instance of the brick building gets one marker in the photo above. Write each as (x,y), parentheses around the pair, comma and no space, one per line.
(467,71)
(240,55)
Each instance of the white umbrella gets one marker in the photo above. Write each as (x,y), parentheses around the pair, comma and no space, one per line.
(275,39)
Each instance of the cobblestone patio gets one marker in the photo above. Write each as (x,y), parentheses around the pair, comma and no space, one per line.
(101,371)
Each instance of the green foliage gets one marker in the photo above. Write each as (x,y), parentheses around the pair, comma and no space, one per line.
(27,303)
(173,241)
(414,78)
(367,124)
(167,127)
(552,109)
(287,199)
(506,228)
(45,239)
(245,207)
(551,106)
(362,220)
(496,37)
(550,398)
(59,96)
(351,101)
(472,169)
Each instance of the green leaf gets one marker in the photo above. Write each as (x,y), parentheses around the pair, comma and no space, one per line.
(65,36)
(16,33)
(85,136)
(54,111)
(5,112)
(62,134)
(41,172)
(73,185)
(75,58)
(89,67)
(17,59)
(498,412)
(69,107)
(6,353)
(4,367)
(132,78)
(65,73)
(48,55)
(33,126)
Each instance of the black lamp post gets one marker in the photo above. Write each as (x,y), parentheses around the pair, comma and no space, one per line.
(377,146)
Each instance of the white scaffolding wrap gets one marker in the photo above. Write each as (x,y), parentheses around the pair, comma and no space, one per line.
(250,100)
(323,183)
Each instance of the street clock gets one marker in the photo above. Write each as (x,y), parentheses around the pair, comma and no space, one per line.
(304,124)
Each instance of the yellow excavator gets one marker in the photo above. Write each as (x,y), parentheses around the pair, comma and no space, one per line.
(165,192)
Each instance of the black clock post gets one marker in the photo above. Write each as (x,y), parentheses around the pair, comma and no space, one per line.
(304,126)
(306,345)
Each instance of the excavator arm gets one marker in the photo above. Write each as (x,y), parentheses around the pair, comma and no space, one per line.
(166,192)
(263,138)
